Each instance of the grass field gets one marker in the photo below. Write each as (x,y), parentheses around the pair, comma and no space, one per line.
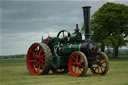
(16,73)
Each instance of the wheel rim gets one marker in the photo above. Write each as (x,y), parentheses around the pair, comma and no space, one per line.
(76,64)
(102,64)
(36,59)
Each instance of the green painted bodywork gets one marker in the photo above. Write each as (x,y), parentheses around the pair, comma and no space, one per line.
(55,41)
(64,50)
(73,37)
(60,61)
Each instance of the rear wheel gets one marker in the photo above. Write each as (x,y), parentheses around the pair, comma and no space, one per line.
(38,59)
(103,64)
(78,64)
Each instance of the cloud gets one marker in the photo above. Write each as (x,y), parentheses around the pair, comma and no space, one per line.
(28,16)
(23,22)
(19,43)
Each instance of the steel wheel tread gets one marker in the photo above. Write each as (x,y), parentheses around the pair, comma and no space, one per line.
(78,64)
(39,54)
(103,65)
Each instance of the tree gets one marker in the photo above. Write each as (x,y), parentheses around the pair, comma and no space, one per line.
(110,26)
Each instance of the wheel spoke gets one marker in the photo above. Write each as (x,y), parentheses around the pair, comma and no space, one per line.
(42,66)
(41,51)
(98,69)
(74,58)
(32,60)
(38,70)
(103,66)
(34,66)
(33,54)
(101,69)
(75,68)
(34,57)
(80,69)
(77,59)
(42,56)
(100,58)
(103,62)
(37,51)
(35,62)
(73,62)
(33,69)
(81,64)
(42,60)
(80,59)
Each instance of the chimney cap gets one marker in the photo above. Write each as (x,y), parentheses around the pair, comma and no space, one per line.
(86,7)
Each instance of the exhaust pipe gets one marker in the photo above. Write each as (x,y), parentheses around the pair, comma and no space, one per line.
(86,13)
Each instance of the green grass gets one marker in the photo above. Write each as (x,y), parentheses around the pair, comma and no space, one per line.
(17,74)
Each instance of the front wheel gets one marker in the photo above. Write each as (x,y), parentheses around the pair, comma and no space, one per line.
(78,64)
(103,64)
(38,59)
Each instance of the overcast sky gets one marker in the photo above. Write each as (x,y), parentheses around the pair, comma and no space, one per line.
(23,22)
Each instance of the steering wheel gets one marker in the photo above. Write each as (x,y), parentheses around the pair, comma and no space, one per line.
(63,34)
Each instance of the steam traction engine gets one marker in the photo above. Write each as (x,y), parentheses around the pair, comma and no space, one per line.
(68,52)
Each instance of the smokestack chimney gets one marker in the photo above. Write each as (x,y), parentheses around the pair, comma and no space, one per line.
(86,12)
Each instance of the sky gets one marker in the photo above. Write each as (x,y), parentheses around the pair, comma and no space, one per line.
(24,22)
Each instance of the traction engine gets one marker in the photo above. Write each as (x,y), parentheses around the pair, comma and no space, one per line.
(68,53)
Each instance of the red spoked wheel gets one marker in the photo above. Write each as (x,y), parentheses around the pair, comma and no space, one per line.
(103,64)
(38,58)
(78,64)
